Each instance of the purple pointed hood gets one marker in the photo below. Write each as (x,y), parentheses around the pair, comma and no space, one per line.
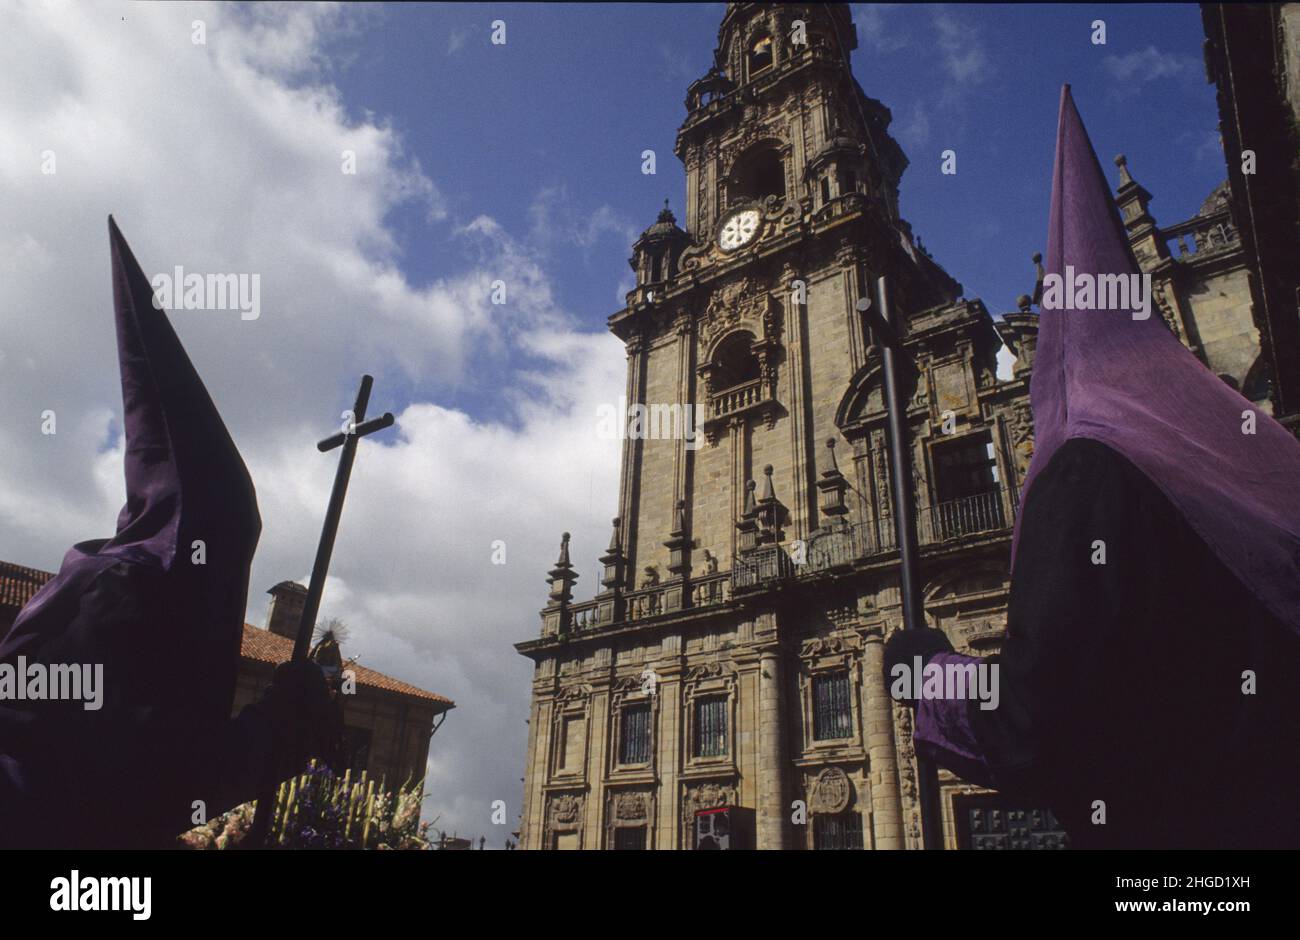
(185,480)
(1130,384)
(185,484)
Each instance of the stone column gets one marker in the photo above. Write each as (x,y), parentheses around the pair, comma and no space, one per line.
(629,487)
(593,835)
(878,715)
(736,439)
(668,691)
(772,804)
(685,345)
(804,509)
(855,286)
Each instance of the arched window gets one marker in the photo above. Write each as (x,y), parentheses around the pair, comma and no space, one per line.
(758,175)
(760,54)
(734,362)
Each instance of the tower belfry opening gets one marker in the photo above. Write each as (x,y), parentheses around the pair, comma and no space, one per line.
(759,174)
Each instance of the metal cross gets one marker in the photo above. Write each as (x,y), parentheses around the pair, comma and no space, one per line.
(357,428)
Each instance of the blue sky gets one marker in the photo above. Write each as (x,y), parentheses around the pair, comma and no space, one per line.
(557,118)
(474,162)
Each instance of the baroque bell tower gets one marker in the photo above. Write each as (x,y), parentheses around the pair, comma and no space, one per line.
(728,666)
(748,315)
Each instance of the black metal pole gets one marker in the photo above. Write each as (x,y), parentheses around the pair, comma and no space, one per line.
(900,472)
(358,428)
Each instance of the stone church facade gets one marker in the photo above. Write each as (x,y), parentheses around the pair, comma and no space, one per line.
(726,679)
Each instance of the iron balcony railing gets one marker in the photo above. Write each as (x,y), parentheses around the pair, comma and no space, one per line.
(984,513)
(769,563)
(970,515)
(949,521)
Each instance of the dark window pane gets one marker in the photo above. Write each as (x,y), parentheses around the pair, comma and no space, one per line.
(965,467)
(634,735)
(356,748)
(711,727)
(832,714)
(837,832)
(629,837)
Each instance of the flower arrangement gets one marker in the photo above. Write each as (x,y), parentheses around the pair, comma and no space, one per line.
(320,810)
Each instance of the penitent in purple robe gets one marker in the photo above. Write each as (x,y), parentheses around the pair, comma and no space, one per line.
(1163,684)
(160,606)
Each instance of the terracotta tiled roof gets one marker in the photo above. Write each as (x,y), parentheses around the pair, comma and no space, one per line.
(18,584)
(267,647)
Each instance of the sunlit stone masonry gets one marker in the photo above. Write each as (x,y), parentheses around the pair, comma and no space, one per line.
(723,687)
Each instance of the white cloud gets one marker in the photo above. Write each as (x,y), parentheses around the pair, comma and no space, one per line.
(678,67)
(914,130)
(226,157)
(456,40)
(946,39)
(1132,72)
(961,51)
(555,218)
(1147,65)
(878,30)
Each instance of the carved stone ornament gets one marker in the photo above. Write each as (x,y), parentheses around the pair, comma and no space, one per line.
(631,806)
(714,670)
(1020,421)
(827,646)
(694,254)
(1166,307)
(709,795)
(831,792)
(741,299)
(783,211)
(573,694)
(565,809)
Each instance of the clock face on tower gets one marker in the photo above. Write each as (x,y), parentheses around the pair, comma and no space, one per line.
(738,229)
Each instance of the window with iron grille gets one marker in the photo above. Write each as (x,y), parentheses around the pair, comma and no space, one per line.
(634,735)
(842,831)
(629,837)
(711,727)
(966,487)
(832,713)
(967,466)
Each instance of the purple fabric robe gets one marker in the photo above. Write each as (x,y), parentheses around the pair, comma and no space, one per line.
(165,628)
(1131,385)
(943,731)
(185,483)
